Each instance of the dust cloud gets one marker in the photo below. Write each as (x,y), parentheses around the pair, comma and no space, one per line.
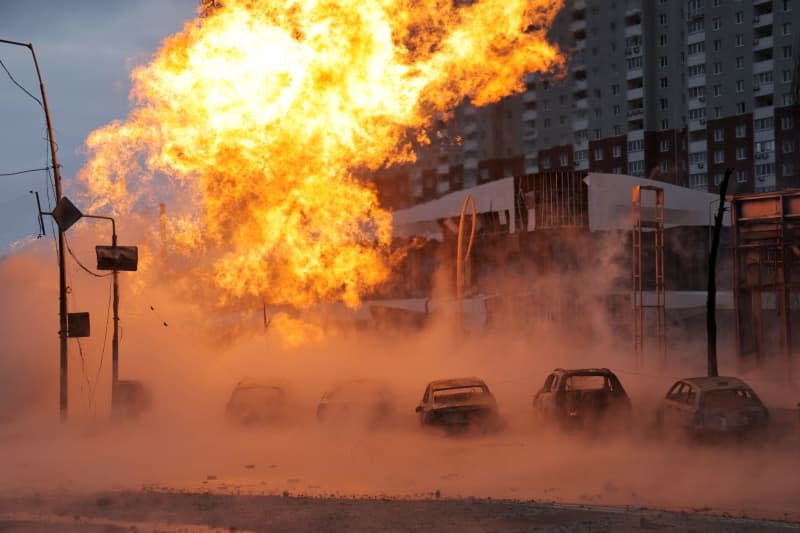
(190,358)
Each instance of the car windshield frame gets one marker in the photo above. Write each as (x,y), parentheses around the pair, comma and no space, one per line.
(445,395)
(730,398)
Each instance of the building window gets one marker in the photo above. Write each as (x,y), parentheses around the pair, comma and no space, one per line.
(739,86)
(787,52)
(697,48)
(719,134)
(662,19)
(717,45)
(664,124)
(665,165)
(617,110)
(636,146)
(786,28)
(717,111)
(546,162)
(718,178)
(616,150)
(739,39)
(663,61)
(547,123)
(741,153)
(663,146)
(788,99)
(615,89)
(717,90)
(740,62)
(563,160)
(739,17)
(663,82)
(698,181)
(787,122)
(787,168)
(636,168)
(765,170)
(662,39)
(664,103)
(742,175)
(787,146)
(765,123)
(741,131)
(787,76)
(787,5)
(617,131)
(598,154)
(718,67)
(716,23)
(741,107)
(719,156)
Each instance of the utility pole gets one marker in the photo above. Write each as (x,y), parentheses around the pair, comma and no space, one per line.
(62,276)
(711,301)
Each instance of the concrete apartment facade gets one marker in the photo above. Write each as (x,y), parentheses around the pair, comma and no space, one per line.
(673,90)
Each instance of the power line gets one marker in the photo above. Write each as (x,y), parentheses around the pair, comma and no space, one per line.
(26,91)
(18,172)
(78,261)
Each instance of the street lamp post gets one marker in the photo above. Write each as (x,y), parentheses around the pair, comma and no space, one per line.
(115,337)
(62,276)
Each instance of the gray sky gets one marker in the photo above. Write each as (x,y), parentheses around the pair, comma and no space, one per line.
(85,49)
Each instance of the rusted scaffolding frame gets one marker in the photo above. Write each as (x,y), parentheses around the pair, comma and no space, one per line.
(766,259)
(643,228)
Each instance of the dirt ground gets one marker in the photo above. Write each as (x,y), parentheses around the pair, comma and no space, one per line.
(197,512)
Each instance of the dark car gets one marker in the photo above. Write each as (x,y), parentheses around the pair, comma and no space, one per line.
(257,403)
(709,406)
(458,403)
(583,397)
(365,402)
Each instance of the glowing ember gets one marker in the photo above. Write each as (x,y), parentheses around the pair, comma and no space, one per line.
(251,121)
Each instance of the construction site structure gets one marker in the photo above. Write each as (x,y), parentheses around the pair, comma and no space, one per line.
(766,284)
(647,241)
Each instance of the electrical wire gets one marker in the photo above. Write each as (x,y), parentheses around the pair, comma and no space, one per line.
(18,172)
(84,267)
(103,349)
(15,82)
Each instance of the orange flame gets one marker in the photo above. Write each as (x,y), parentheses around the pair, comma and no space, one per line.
(253,119)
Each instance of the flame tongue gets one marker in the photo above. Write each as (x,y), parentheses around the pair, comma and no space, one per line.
(254,118)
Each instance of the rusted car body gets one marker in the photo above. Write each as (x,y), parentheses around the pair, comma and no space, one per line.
(254,403)
(712,406)
(583,397)
(365,402)
(458,404)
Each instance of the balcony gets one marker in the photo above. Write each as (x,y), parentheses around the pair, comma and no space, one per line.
(697,103)
(443,169)
(634,73)
(698,80)
(696,59)
(529,114)
(580,124)
(470,145)
(529,96)
(697,147)
(699,124)
(578,26)
(763,112)
(762,20)
(763,43)
(763,66)
(580,85)
(635,94)
(631,31)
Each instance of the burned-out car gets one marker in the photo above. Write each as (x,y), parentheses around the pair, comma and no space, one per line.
(458,404)
(366,402)
(712,406)
(254,403)
(583,398)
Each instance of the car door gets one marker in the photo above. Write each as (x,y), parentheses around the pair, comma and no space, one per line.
(422,408)
(674,405)
(544,400)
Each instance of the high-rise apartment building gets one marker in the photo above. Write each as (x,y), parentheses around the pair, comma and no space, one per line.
(674,90)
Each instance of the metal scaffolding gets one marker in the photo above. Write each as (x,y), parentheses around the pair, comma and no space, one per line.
(766,248)
(648,248)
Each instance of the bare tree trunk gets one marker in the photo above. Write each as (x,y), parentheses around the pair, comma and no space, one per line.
(711,302)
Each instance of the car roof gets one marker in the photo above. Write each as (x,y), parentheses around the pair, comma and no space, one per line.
(457,382)
(579,371)
(249,383)
(717,382)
